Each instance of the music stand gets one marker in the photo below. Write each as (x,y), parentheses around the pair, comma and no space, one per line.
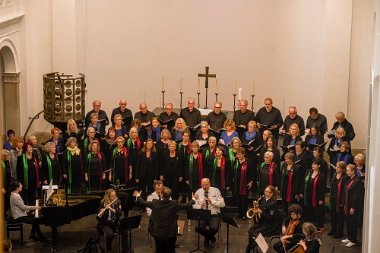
(127,224)
(198,214)
(229,221)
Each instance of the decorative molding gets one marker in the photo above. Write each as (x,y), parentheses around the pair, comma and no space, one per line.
(5,2)
(7,20)
(11,78)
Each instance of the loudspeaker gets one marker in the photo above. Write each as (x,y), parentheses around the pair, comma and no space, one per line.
(64,98)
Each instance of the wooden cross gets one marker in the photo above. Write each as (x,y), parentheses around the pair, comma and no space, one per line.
(207,76)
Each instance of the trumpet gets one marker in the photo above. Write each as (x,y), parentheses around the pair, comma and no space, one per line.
(253,213)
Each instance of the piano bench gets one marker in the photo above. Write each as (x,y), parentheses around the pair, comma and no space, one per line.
(16,227)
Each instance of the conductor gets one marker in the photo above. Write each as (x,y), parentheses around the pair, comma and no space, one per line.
(164,219)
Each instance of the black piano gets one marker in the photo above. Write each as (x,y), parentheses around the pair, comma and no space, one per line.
(77,206)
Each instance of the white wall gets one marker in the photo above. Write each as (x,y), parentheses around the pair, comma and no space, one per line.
(298,52)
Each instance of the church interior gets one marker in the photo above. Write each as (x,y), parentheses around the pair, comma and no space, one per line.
(323,54)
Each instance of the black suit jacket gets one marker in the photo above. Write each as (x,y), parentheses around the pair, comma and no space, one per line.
(164,215)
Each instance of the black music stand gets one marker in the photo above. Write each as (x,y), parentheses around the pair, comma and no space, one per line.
(229,221)
(198,214)
(127,224)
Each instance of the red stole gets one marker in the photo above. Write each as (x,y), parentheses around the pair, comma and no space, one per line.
(337,206)
(271,172)
(346,211)
(289,188)
(243,178)
(314,197)
(38,181)
(200,171)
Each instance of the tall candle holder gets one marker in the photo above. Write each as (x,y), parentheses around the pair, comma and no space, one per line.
(163,99)
(198,94)
(216,96)
(252,97)
(234,101)
(180,103)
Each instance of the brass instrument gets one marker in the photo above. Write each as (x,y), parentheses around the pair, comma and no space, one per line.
(253,213)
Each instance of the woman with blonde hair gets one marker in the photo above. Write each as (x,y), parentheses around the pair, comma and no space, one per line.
(230,132)
(108,216)
(95,167)
(73,170)
(179,127)
(72,131)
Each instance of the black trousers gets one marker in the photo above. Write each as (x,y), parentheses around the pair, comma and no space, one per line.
(34,222)
(337,221)
(213,227)
(165,244)
(109,233)
(352,226)
(242,202)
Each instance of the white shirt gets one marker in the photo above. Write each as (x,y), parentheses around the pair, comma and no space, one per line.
(217,201)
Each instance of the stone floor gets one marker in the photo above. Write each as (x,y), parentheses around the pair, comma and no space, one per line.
(73,237)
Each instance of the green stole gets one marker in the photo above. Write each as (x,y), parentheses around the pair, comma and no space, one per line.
(70,174)
(50,169)
(307,179)
(26,171)
(231,156)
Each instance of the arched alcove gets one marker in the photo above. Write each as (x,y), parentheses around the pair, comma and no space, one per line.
(9,84)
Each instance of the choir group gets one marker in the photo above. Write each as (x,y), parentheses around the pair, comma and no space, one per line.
(241,156)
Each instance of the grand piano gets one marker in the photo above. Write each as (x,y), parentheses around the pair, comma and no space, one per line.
(74,208)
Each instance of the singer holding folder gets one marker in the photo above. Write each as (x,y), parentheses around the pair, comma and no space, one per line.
(209,198)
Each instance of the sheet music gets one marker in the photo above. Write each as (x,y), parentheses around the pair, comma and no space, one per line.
(263,245)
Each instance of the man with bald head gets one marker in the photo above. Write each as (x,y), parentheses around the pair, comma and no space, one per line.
(102,116)
(125,113)
(341,121)
(144,115)
(243,116)
(209,198)
(292,118)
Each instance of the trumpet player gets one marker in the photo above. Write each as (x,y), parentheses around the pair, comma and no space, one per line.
(108,216)
(267,224)
(291,230)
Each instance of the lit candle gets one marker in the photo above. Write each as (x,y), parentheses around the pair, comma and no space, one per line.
(180,85)
(253,87)
(199,85)
(216,86)
(162,84)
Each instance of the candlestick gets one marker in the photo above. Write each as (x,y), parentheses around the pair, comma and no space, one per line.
(180,104)
(199,105)
(216,97)
(252,96)
(163,99)
(234,101)
(162,84)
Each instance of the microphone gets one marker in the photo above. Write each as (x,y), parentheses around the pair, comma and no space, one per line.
(206,197)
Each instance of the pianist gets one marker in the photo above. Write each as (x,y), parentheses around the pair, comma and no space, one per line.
(19,212)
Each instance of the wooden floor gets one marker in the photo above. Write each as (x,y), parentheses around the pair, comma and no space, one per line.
(73,237)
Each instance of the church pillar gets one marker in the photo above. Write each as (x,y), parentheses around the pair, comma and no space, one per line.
(11,101)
